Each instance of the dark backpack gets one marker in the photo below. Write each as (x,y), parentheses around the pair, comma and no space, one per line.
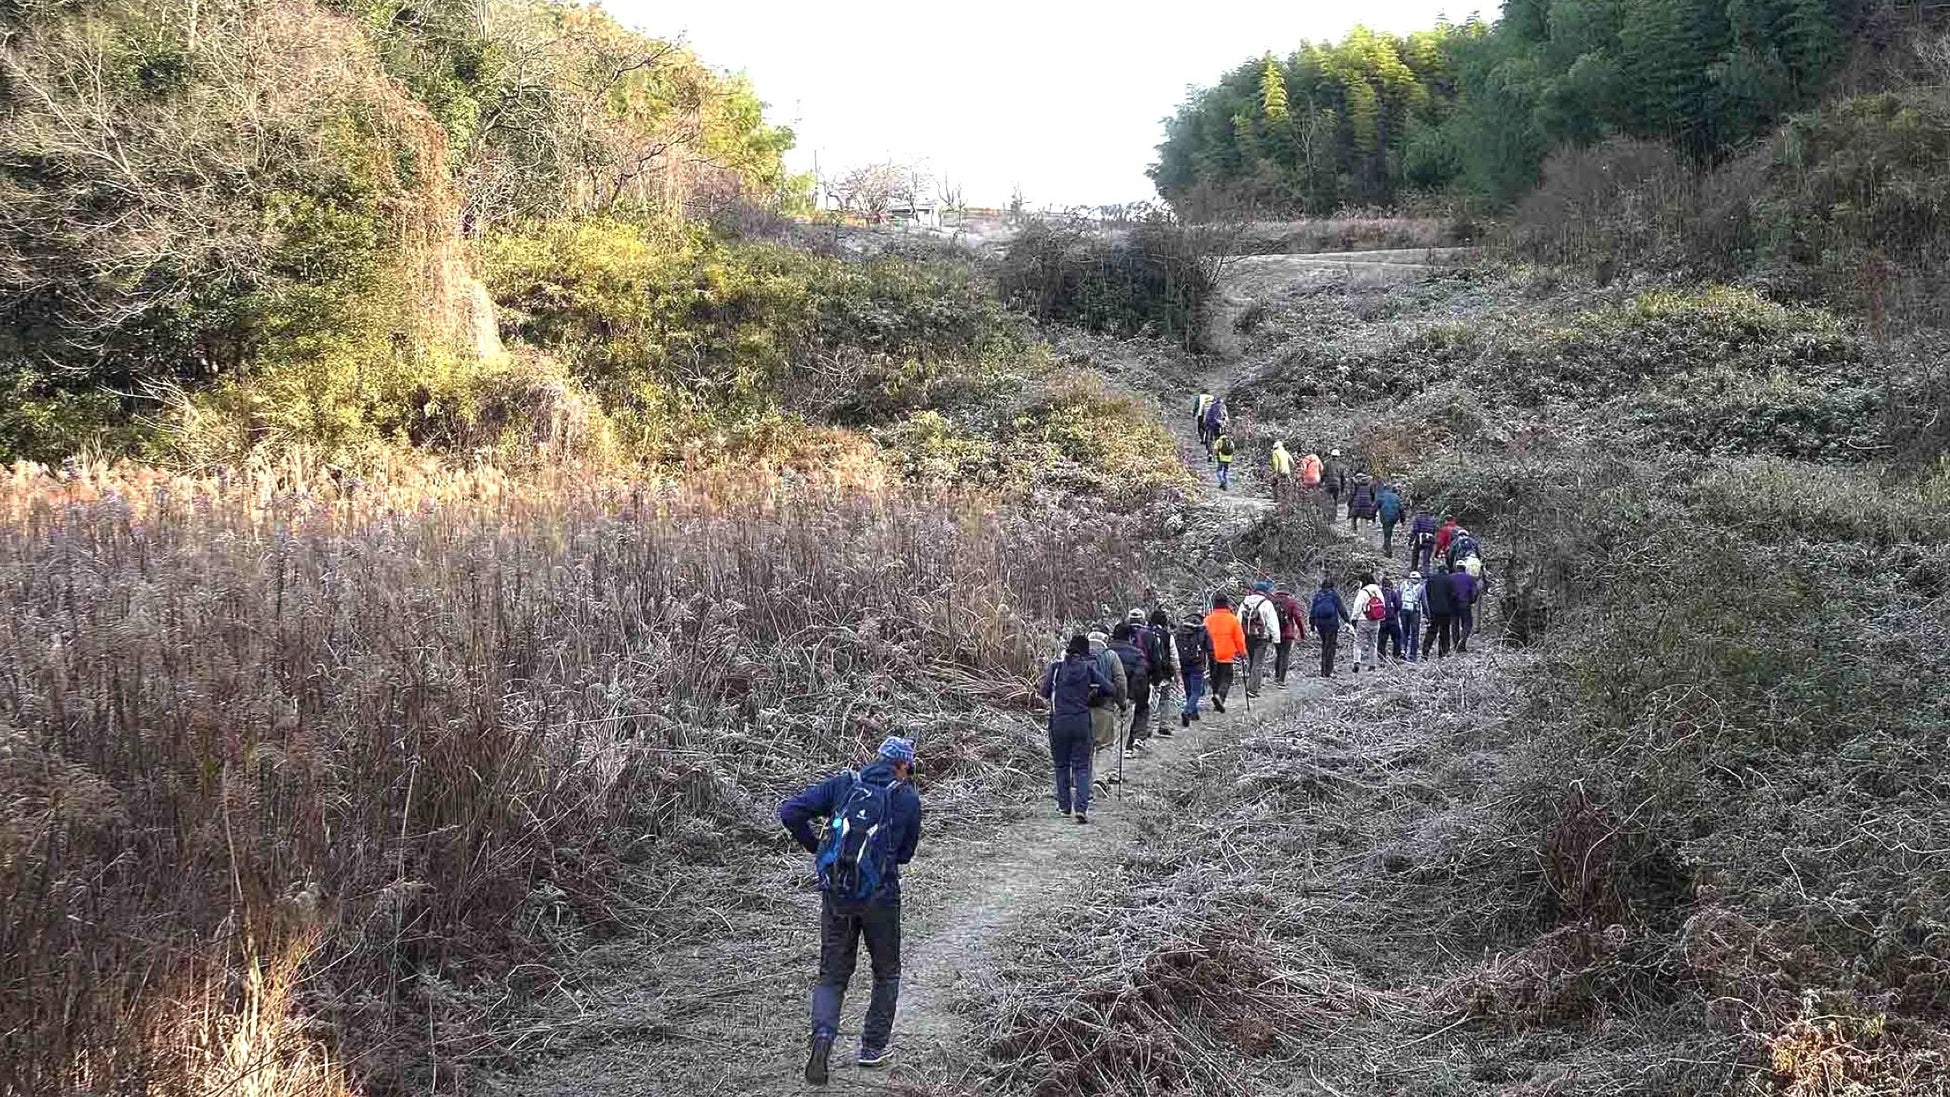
(1256,619)
(1323,610)
(1193,646)
(1137,666)
(1158,639)
(853,861)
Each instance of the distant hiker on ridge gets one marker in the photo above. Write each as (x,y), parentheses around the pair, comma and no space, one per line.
(1074,686)
(1361,505)
(1223,450)
(1333,477)
(1199,407)
(873,826)
(1282,463)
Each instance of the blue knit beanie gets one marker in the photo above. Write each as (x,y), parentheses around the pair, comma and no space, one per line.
(897,749)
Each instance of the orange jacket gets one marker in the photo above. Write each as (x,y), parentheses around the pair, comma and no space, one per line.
(1228,638)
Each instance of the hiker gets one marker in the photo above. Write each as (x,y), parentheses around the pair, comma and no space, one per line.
(1466,590)
(1216,419)
(1333,477)
(1361,506)
(1074,686)
(1223,450)
(1412,590)
(1369,610)
(1194,647)
(1328,615)
(1164,677)
(1282,463)
(1310,471)
(1261,620)
(1199,406)
(1389,503)
(1129,648)
(1104,714)
(1421,541)
(873,824)
(1228,645)
(1392,645)
(1445,535)
(1293,629)
(1461,547)
(1439,601)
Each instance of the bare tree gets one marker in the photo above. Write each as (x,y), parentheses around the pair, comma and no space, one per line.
(871,190)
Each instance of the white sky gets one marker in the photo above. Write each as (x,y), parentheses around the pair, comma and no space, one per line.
(1065,97)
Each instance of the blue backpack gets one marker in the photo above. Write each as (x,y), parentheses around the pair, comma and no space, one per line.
(1324,610)
(852,862)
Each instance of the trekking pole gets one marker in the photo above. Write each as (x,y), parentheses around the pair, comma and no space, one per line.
(1120,763)
(1249,693)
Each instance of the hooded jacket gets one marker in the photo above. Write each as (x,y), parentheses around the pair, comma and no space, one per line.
(1071,684)
(1261,605)
(1228,637)
(1112,668)
(822,799)
(1361,503)
(1282,460)
(1390,502)
(1293,619)
(1463,585)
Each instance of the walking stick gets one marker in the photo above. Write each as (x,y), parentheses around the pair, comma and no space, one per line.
(1249,692)
(1120,761)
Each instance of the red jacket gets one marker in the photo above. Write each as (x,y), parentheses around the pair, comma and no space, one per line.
(1443,535)
(1293,622)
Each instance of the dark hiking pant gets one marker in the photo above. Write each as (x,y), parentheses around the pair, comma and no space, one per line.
(1464,626)
(1070,755)
(1282,652)
(842,923)
(1412,632)
(1391,638)
(1221,681)
(1194,689)
(1255,664)
(1422,557)
(1330,642)
(1440,625)
(1140,715)
(1387,538)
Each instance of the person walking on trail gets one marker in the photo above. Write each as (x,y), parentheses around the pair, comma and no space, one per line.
(1222,449)
(1466,590)
(1370,609)
(1130,649)
(1443,536)
(1282,463)
(1105,712)
(1361,505)
(1412,592)
(1333,476)
(1074,686)
(1199,405)
(1392,644)
(1328,615)
(1216,420)
(1164,678)
(1439,599)
(1194,647)
(1261,620)
(1293,629)
(1388,501)
(1461,547)
(1228,647)
(1421,542)
(873,826)
(1310,471)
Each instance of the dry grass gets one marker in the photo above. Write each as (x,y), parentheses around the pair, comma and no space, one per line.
(296,765)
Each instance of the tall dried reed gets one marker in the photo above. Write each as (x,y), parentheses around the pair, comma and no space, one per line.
(249,714)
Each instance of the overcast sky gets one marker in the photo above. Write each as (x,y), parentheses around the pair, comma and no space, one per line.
(1064,98)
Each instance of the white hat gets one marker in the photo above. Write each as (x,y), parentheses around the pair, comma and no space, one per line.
(1333,453)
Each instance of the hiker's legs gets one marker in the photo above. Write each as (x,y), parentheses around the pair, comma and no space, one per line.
(1225,475)
(1391,639)
(1411,632)
(1194,690)
(1437,639)
(1387,537)
(1140,715)
(1255,665)
(1465,624)
(1078,747)
(839,950)
(1366,634)
(1330,639)
(1059,758)
(1221,681)
(881,925)
(1281,653)
(1165,704)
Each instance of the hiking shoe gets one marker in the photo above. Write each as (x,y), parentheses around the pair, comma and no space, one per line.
(877,1056)
(1184,719)
(817,1062)
(1081,818)
(1195,717)
(1164,733)
(1218,705)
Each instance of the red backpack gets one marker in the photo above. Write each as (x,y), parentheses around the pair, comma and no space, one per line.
(1377,608)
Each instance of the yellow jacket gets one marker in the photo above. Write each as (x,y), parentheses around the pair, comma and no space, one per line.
(1282,460)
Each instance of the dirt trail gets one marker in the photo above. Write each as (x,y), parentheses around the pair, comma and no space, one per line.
(638,1028)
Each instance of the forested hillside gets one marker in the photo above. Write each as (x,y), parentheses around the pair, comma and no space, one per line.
(1475,109)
